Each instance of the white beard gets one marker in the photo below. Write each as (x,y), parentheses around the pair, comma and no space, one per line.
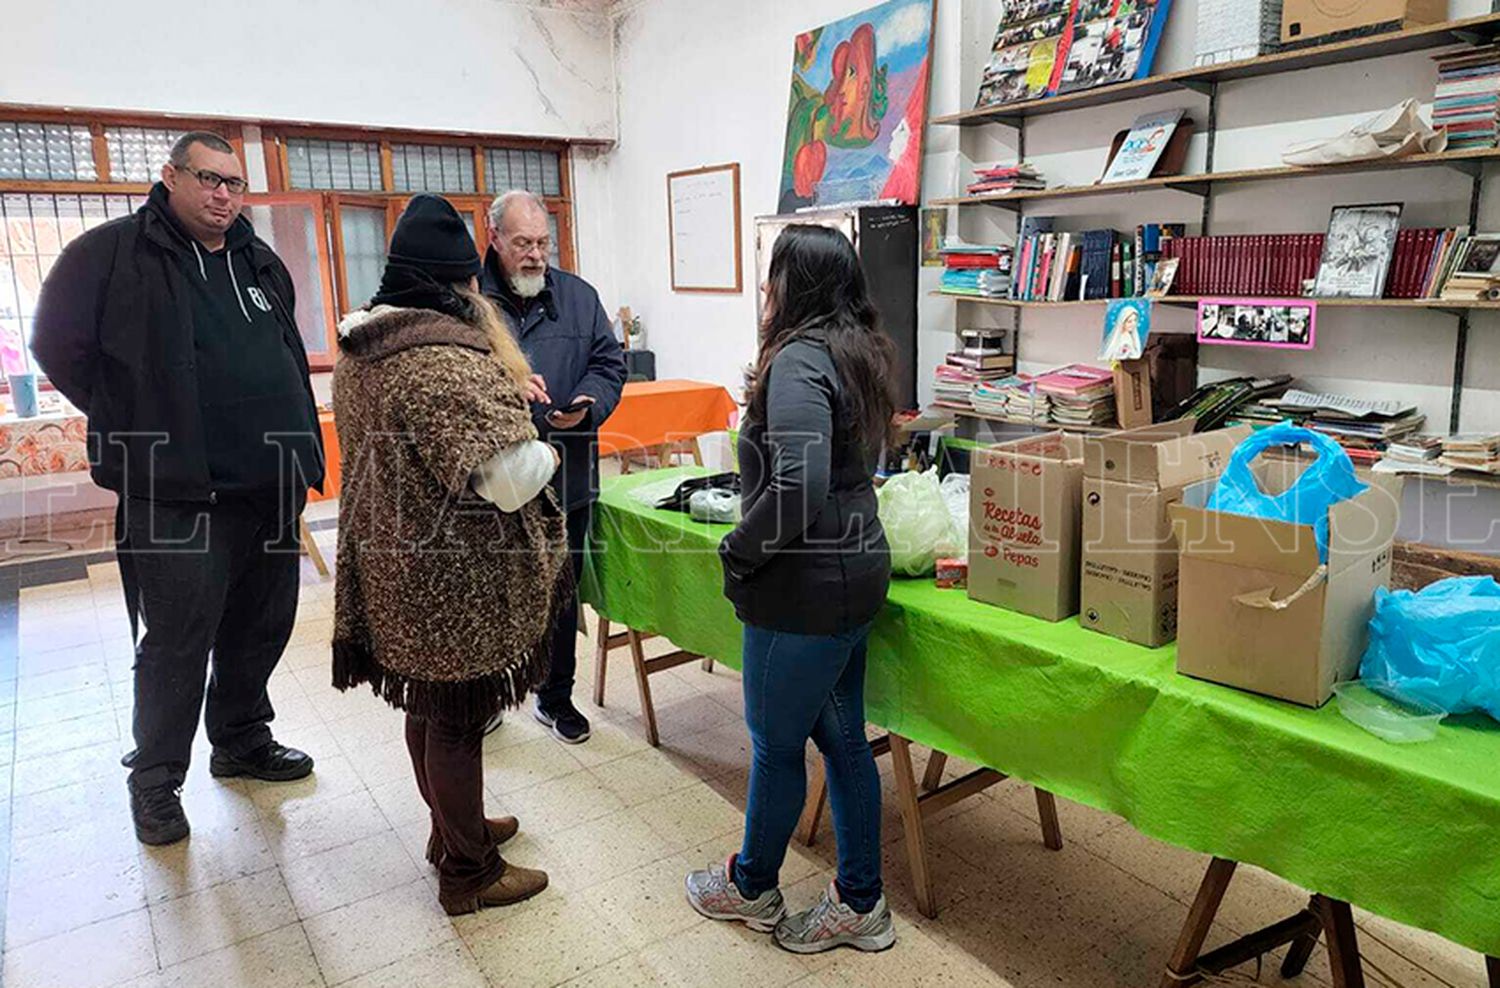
(528,286)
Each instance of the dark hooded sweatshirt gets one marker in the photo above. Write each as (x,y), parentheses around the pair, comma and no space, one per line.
(187,361)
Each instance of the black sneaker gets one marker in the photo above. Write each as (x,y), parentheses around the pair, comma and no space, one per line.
(270,763)
(157,812)
(568,725)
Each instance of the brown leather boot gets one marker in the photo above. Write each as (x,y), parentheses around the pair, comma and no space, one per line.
(515,884)
(501,830)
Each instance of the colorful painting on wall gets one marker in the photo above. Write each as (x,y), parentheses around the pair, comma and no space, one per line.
(858,108)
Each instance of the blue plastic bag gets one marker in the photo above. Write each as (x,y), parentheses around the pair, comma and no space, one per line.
(1327,480)
(1440,644)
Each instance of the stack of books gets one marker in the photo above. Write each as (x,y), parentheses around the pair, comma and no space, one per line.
(1080,395)
(1423,261)
(1363,427)
(1468,97)
(1413,454)
(1015,399)
(1473,271)
(981,357)
(1000,179)
(1477,451)
(982,272)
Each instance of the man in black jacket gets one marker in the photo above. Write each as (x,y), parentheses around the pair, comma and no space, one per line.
(580,369)
(173,330)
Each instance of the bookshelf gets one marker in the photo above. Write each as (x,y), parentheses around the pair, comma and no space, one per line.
(1204,80)
(1466,161)
(1434,304)
(1470,30)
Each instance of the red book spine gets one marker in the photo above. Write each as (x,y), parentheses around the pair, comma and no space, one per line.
(1186,282)
(1259,283)
(1265,265)
(1275,272)
(1237,260)
(1314,258)
(1399,274)
(1288,266)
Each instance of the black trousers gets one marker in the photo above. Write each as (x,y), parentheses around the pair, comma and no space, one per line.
(559,684)
(218,579)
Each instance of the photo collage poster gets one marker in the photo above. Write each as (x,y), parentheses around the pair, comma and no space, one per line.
(1113,41)
(1043,47)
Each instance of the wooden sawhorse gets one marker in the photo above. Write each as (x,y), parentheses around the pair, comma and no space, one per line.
(915,806)
(1323,917)
(605,642)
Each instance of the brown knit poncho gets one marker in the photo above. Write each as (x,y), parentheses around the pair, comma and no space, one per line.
(444,603)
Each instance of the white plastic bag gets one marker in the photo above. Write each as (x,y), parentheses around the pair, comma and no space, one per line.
(1393,133)
(955,488)
(916,521)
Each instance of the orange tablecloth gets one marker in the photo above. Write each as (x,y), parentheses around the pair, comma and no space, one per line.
(651,413)
(331,456)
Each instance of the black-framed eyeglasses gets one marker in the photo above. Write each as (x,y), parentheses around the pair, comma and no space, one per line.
(212,180)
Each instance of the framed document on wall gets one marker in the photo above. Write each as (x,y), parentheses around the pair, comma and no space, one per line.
(703,229)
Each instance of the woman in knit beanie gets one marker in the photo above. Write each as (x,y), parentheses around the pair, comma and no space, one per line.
(452,550)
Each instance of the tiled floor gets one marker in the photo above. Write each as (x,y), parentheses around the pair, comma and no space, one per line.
(322,882)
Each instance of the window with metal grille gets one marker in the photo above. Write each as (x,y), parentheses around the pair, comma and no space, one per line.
(46,152)
(34,229)
(345,166)
(136,154)
(432,168)
(535,171)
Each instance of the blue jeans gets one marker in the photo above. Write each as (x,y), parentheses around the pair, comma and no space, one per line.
(796,687)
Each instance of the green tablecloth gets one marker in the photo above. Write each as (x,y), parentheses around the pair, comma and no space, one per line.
(1408,831)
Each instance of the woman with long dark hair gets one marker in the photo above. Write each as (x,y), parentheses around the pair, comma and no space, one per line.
(807,569)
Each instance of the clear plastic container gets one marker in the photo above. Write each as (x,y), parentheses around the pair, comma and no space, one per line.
(1386,713)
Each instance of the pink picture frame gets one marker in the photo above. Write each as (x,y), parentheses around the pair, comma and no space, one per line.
(1275,323)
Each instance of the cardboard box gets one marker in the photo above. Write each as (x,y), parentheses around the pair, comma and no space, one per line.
(1256,608)
(1306,21)
(1132,393)
(1128,586)
(1024,503)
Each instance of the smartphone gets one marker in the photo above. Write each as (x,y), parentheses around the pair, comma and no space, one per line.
(578,404)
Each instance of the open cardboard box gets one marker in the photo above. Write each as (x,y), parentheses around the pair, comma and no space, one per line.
(1024,503)
(1128,586)
(1258,610)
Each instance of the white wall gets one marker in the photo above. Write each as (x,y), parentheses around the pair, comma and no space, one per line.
(704,81)
(531,68)
(538,68)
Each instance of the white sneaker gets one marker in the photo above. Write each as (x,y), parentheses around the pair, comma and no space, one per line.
(832,924)
(714,895)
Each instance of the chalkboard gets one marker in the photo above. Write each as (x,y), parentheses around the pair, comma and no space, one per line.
(703,227)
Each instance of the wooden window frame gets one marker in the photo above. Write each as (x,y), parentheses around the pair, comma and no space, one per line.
(316,204)
(334,202)
(232,131)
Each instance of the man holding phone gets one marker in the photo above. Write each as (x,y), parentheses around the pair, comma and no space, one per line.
(579,371)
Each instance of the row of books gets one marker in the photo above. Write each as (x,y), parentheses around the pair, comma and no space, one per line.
(1091,264)
(980,271)
(1274,264)
(1000,179)
(1467,99)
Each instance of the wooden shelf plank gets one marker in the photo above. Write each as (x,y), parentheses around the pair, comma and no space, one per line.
(1443,158)
(1338,52)
(1366,303)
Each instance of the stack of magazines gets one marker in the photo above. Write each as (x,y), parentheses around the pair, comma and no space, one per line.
(1000,179)
(1478,451)
(1080,394)
(969,269)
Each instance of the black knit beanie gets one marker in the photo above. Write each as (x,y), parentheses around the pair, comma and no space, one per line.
(431,251)
(431,236)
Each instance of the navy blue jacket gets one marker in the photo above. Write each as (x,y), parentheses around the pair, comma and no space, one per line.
(568,340)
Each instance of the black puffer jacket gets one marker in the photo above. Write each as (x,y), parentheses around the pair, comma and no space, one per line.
(115,333)
(809,556)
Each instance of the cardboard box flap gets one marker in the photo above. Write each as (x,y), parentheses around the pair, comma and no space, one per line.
(1259,543)
(1062,446)
(1168,454)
